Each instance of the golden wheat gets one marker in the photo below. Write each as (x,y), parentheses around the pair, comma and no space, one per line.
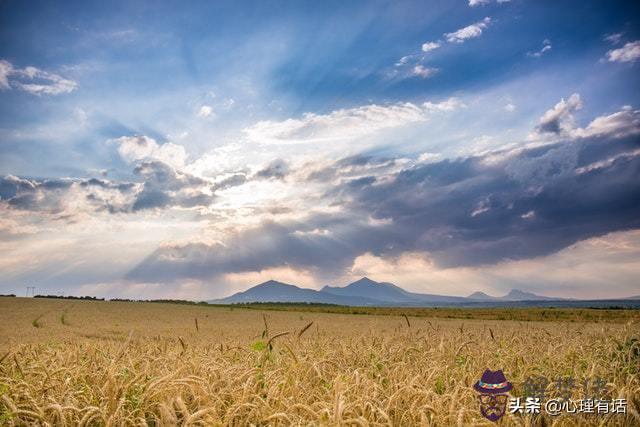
(114,363)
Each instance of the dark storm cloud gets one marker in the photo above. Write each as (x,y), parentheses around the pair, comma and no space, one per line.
(477,211)
(10,186)
(56,184)
(364,160)
(29,194)
(560,118)
(163,175)
(549,126)
(232,181)
(469,211)
(48,195)
(162,186)
(102,183)
(150,198)
(277,169)
(165,186)
(272,244)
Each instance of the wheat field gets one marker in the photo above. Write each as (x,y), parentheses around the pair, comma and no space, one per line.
(118,363)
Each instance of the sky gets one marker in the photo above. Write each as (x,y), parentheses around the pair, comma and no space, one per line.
(194,149)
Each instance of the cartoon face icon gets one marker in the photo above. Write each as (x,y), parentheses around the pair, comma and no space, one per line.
(493,406)
(493,388)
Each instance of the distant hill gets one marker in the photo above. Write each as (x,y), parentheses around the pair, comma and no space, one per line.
(367,292)
(481,296)
(518,295)
(388,293)
(513,295)
(273,291)
(367,288)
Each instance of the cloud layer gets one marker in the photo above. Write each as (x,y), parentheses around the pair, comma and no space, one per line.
(630,52)
(568,184)
(33,80)
(140,147)
(512,204)
(346,123)
(469,32)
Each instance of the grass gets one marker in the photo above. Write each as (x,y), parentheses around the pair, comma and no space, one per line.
(123,363)
(36,322)
(516,313)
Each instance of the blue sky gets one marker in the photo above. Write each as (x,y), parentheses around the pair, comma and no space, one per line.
(181,131)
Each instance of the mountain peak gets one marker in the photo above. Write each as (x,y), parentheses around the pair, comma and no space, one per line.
(274,291)
(481,296)
(520,295)
(271,283)
(364,281)
(387,293)
(513,295)
(367,292)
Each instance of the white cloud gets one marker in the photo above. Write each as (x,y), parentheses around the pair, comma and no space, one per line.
(314,232)
(560,122)
(411,65)
(601,164)
(480,209)
(620,124)
(630,52)
(429,46)
(546,46)
(140,147)
(470,32)
(5,69)
(450,104)
(474,3)
(559,119)
(509,108)
(424,72)
(528,215)
(403,60)
(205,111)
(346,123)
(614,38)
(33,80)
(429,157)
(339,124)
(479,145)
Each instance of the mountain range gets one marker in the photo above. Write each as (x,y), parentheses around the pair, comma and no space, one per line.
(367,292)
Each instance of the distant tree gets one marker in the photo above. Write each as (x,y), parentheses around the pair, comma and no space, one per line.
(86,297)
